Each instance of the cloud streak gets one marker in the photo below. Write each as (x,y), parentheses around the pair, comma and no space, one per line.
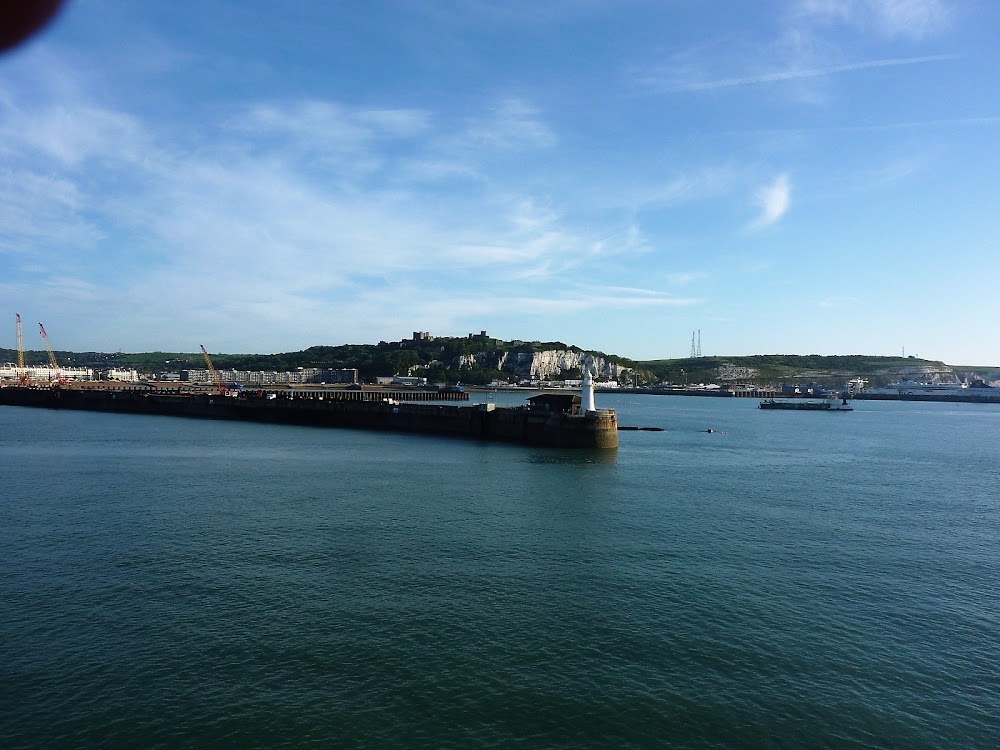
(835,302)
(795,74)
(682,278)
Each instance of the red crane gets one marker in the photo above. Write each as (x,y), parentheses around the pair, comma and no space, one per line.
(52,357)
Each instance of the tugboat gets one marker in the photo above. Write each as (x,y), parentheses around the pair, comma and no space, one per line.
(834,403)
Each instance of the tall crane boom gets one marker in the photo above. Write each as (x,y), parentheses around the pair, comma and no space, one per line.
(211,369)
(52,357)
(20,344)
(22,372)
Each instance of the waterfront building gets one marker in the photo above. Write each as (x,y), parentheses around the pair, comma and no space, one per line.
(45,374)
(400,380)
(299,376)
(120,374)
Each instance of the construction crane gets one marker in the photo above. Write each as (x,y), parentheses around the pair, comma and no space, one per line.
(52,357)
(211,370)
(22,371)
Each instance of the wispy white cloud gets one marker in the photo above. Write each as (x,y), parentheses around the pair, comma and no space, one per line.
(773,200)
(627,239)
(343,143)
(530,214)
(458,306)
(835,301)
(685,84)
(490,255)
(693,185)
(806,51)
(399,123)
(894,171)
(72,289)
(957,122)
(435,169)
(640,291)
(325,123)
(268,216)
(913,19)
(756,265)
(71,134)
(39,209)
(682,278)
(511,124)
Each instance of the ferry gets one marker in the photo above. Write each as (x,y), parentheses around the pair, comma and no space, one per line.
(913,388)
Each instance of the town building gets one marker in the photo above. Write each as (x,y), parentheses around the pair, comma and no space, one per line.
(299,376)
(120,374)
(40,374)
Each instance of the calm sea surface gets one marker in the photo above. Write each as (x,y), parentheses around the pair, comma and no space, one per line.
(792,580)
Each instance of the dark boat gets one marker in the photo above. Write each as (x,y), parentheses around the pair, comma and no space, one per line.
(826,404)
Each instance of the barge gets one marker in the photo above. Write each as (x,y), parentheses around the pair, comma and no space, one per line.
(557,421)
(826,404)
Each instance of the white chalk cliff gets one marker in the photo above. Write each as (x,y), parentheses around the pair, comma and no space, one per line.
(546,365)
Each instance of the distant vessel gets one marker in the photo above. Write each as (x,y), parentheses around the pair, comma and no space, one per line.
(826,404)
(913,388)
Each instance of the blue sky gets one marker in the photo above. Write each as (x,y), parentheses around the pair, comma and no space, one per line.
(796,176)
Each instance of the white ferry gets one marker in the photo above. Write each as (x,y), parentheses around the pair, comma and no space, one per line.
(913,388)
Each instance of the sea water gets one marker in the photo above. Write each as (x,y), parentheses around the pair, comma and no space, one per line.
(788,580)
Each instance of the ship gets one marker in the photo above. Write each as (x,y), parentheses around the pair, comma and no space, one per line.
(955,391)
(826,404)
(553,420)
(913,388)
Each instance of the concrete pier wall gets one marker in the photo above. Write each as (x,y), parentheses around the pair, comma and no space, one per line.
(519,424)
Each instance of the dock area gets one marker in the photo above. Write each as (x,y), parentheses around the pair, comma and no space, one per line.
(546,421)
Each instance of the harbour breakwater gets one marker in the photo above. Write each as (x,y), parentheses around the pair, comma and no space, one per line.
(536,424)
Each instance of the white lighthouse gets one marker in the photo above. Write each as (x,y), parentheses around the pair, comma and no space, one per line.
(587,387)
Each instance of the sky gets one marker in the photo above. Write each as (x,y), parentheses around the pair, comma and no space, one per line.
(784,176)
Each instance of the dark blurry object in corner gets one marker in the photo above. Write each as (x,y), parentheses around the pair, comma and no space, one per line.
(19,19)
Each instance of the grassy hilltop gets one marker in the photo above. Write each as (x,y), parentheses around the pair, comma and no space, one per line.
(787,368)
(437,359)
(440,360)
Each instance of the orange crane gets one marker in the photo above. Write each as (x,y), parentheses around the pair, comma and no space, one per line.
(22,372)
(211,370)
(52,357)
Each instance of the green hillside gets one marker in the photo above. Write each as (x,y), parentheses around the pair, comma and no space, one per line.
(438,359)
(433,359)
(781,368)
